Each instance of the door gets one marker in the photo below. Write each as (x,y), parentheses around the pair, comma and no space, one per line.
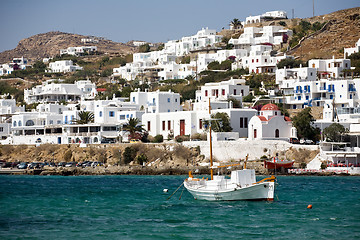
(277,133)
(182,127)
(59,140)
(255,133)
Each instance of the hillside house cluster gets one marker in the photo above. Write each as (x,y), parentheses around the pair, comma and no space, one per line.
(16,64)
(253,50)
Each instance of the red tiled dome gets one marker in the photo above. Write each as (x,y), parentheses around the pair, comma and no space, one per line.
(262,118)
(287,119)
(270,106)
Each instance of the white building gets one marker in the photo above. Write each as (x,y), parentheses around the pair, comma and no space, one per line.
(50,91)
(266,16)
(156,102)
(349,51)
(261,35)
(330,68)
(219,93)
(35,127)
(312,86)
(63,66)
(259,60)
(78,51)
(270,124)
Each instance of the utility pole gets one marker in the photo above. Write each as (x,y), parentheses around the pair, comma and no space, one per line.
(313,8)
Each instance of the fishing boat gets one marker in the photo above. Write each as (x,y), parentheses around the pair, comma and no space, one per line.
(276,163)
(241,185)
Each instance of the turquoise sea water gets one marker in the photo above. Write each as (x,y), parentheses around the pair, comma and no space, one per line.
(135,207)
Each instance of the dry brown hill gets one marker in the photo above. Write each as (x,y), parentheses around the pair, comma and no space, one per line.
(343,30)
(48,44)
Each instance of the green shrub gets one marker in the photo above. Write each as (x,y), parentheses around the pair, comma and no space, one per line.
(158,138)
(129,155)
(182,138)
(141,159)
(68,156)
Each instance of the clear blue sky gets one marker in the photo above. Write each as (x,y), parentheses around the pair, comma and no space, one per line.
(148,20)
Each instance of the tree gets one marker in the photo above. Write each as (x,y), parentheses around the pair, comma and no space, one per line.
(290,63)
(85,117)
(220,122)
(303,123)
(134,127)
(144,48)
(334,132)
(236,23)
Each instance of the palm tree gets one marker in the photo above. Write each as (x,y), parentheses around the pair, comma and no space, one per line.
(236,23)
(84,117)
(133,127)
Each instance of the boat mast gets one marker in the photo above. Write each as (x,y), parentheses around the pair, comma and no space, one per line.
(211,160)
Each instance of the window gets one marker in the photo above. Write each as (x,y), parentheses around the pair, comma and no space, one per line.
(122,117)
(100,113)
(245,122)
(148,125)
(168,99)
(206,93)
(29,123)
(223,92)
(163,125)
(133,99)
(275,113)
(1,129)
(169,125)
(331,96)
(20,124)
(241,122)
(111,114)
(176,100)
(200,124)
(51,122)
(255,133)
(234,91)
(66,120)
(299,98)
(14,123)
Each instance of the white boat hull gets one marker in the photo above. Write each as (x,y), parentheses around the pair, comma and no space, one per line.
(257,191)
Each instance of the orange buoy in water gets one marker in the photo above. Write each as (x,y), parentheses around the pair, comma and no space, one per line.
(309,206)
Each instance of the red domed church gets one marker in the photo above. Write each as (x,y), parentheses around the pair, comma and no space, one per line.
(270,124)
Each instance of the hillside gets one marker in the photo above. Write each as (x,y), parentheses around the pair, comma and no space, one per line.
(48,44)
(342,31)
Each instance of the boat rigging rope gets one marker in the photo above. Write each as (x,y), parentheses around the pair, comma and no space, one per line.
(175,191)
